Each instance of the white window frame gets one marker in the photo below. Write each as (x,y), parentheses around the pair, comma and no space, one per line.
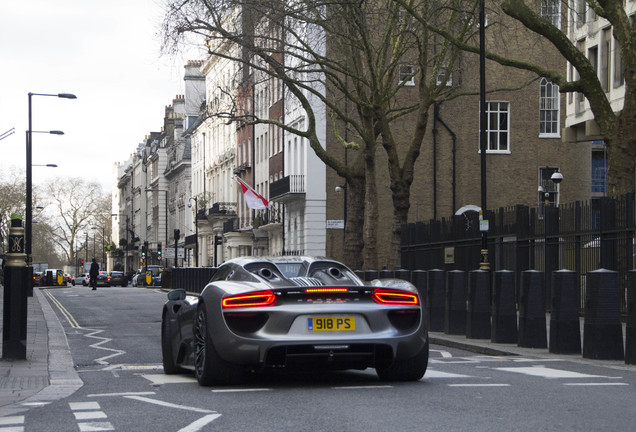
(403,74)
(551,11)
(490,114)
(549,102)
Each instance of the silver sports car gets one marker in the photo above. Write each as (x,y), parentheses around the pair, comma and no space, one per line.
(293,312)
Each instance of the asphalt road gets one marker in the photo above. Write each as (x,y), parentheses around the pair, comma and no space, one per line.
(114,336)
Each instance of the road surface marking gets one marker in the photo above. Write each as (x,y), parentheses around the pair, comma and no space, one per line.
(437,374)
(548,373)
(89,415)
(237,390)
(479,385)
(444,354)
(199,424)
(170,405)
(362,387)
(596,384)
(103,340)
(158,379)
(121,394)
(79,406)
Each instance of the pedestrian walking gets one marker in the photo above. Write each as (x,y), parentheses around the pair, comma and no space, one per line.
(93,273)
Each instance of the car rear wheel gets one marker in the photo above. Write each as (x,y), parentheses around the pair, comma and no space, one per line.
(410,369)
(209,368)
(73,283)
(169,365)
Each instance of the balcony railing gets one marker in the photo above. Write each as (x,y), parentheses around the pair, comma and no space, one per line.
(222,208)
(287,188)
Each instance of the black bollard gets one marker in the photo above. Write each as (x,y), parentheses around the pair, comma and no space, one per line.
(504,309)
(630,327)
(387,274)
(478,305)
(436,299)
(370,275)
(532,326)
(16,278)
(404,275)
(602,331)
(420,280)
(565,325)
(455,317)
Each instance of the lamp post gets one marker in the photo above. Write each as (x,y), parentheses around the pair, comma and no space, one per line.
(166,224)
(126,253)
(483,125)
(29,186)
(196,229)
(103,249)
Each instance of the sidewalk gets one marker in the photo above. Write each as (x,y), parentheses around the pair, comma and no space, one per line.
(47,374)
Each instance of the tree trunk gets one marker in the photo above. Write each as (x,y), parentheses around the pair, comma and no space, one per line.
(354,224)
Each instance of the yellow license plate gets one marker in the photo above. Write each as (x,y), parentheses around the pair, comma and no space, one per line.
(347,323)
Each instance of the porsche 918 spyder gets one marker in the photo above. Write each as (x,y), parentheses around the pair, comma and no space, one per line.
(293,312)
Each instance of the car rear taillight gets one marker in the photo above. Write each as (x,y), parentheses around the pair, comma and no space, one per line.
(386,296)
(254,299)
(325,290)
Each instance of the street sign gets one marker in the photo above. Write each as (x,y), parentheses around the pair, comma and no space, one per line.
(168,253)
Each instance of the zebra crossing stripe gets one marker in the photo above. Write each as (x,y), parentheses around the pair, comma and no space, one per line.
(90,411)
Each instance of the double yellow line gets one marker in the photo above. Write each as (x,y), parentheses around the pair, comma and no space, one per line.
(72,322)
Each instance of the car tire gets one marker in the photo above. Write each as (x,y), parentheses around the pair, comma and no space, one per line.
(209,367)
(409,369)
(169,366)
(73,283)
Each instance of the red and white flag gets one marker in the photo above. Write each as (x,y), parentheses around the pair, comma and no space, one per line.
(252,198)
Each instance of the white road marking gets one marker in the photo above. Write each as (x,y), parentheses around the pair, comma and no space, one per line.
(12,420)
(79,406)
(121,394)
(430,373)
(362,387)
(478,385)
(199,424)
(444,354)
(238,390)
(168,379)
(12,429)
(596,384)
(548,373)
(170,405)
(103,340)
(125,367)
(95,427)
(89,415)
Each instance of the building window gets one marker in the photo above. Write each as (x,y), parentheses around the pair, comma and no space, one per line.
(604,67)
(549,109)
(619,71)
(551,11)
(498,127)
(406,75)
(599,170)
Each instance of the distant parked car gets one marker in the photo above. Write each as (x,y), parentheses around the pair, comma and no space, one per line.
(117,278)
(82,279)
(103,280)
(37,278)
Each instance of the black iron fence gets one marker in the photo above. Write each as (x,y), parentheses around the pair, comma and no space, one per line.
(581,236)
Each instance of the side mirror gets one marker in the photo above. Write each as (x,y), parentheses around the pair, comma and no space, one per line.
(177,294)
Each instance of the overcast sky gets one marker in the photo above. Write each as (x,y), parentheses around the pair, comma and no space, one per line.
(106,52)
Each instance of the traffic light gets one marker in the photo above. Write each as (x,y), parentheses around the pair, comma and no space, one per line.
(144,249)
(159,251)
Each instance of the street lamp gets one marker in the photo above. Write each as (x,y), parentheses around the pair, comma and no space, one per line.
(29,188)
(126,253)
(166,224)
(103,249)
(196,229)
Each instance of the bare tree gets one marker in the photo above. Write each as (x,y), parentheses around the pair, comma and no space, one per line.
(356,59)
(77,206)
